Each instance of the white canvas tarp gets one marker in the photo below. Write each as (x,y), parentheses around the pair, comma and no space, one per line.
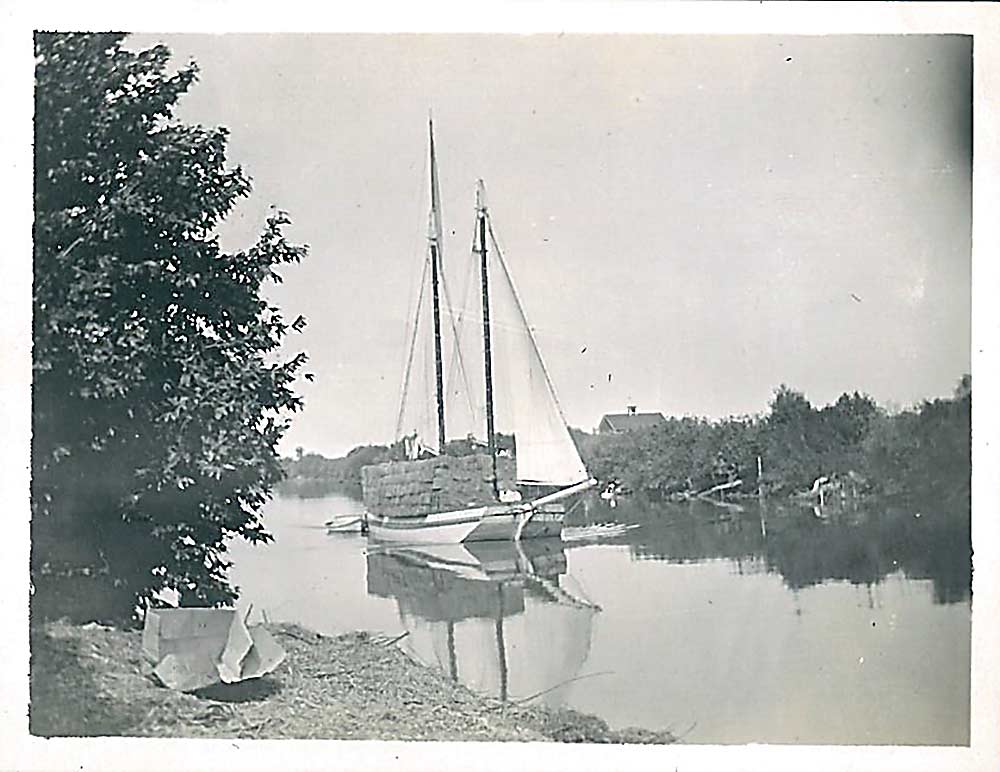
(197,647)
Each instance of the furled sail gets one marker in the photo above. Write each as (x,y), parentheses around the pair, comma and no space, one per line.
(545,451)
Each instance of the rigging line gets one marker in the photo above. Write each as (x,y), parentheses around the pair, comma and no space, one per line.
(426,421)
(565,340)
(457,360)
(475,412)
(457,354)
(471,286)
(413,319)
(498,325)
(413,346)
(524,318)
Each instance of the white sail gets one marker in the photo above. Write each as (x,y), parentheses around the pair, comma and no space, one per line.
(545,451)
(527,407)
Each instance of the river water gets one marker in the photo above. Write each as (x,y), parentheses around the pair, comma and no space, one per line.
(761,624)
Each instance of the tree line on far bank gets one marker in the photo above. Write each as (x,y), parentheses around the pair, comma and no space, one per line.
(922,451)
(311,475)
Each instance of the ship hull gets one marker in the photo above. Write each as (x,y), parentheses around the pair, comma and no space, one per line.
(490,523)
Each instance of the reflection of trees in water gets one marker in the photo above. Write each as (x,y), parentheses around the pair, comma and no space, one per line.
(861,546)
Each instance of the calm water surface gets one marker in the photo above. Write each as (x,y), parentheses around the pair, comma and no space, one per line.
(778,625)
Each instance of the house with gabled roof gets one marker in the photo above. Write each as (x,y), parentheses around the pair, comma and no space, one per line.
(629,421)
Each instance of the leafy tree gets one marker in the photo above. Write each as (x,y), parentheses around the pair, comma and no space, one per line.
(790,442)
(851,416)
(926,451)
(158,396)
(842,428)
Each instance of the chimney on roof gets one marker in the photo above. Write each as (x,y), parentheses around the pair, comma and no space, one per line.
(630,409)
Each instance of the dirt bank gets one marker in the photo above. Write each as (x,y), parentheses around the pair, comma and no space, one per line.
(93,680)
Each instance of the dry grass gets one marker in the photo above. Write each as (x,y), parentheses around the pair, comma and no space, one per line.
(92,680)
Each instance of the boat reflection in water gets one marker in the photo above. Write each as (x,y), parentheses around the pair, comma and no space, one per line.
(495,616)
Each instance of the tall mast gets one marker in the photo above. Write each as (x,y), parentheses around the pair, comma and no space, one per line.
(434,240)
(487,352)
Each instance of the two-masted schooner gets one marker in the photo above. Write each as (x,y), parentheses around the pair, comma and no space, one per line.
(436,497)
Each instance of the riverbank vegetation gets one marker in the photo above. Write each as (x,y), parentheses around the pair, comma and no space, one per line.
(310,475)
(868,450)
(925,450)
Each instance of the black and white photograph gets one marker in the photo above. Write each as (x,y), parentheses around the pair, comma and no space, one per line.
(596,391)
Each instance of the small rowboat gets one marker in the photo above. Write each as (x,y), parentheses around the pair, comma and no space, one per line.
(344,524)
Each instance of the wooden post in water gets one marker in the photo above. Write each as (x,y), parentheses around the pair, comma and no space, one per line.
(760,497)
(452,656)
(501,646)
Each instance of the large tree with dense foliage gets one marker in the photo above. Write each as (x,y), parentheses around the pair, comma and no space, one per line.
(158,393)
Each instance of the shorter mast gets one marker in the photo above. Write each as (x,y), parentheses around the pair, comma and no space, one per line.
(487,352)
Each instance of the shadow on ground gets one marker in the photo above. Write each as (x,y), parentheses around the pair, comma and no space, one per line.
(255,690)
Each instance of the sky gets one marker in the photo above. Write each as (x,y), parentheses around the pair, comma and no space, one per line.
(690,220)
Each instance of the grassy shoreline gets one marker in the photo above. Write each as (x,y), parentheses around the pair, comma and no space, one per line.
(92,680)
